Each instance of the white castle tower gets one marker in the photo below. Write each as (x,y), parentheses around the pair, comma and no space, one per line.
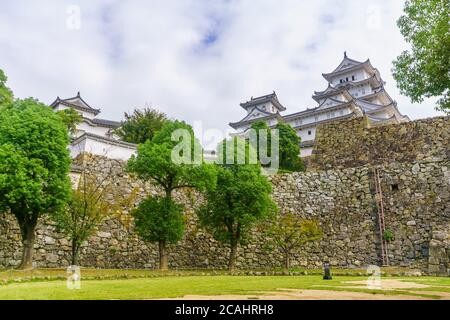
(354,89)
(94,135)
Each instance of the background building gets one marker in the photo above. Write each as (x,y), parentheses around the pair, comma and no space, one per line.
(354,89)
(94,135)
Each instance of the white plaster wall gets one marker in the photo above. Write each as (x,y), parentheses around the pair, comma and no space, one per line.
(359,75)
(100,148)
(305,152)
(85,127)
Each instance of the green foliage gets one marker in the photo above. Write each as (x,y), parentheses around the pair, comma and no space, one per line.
(236,150)
(86,209)
(159,219)
(6,95)
(423,71)
(154,162)
(34,165)
(289,148)
(388,235)
(289,145)
(241,199)
(260,127)
(141,125)
(70,118)
(34,161)
(288,232)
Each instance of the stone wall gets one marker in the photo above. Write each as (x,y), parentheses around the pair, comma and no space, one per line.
(417,201)
(413,160)
(354,143)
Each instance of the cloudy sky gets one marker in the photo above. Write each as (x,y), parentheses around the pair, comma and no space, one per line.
(196,60)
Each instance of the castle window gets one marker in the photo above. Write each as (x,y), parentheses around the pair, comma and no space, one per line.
(341,81)
(309,132)
(394,187)
(353,78)
(346,79)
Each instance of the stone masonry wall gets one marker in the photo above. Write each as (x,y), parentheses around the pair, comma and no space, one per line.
(417,201)
(354,143)
(415,185)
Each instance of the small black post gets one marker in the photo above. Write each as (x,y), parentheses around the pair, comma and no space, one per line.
(327,272)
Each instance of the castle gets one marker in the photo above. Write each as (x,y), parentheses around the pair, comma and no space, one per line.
(94,135)
(355,89)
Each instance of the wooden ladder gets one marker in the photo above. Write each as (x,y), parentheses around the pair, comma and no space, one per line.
(381,223)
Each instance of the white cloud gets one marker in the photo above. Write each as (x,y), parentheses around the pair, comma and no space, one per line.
(195,60)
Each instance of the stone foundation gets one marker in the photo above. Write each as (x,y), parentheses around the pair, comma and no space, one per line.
(416,192)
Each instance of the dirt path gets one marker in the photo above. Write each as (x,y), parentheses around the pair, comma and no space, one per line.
(388,284)
(298,294)
(306,295)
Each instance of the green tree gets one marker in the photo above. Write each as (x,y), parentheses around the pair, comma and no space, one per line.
(155,162)
(240,200)
(288,232)
(6,95)
(261,127)
(34,166)
(91,202)
(423,71)
(141,125)
(289,146)
(159,219)
(70,118)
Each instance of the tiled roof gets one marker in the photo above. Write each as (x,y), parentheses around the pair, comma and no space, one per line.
(106,123)
(76,102)
(263,99)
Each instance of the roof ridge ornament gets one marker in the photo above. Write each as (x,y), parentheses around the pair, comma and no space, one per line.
(345,54)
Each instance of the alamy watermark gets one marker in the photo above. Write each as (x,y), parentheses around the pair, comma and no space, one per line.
(73,20)
(256,146)
(374,281)
(73,278)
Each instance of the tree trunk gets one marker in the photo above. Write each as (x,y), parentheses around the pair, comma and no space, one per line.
(163,264)
(286,261)
(233,255)
(27,230)
(75,250)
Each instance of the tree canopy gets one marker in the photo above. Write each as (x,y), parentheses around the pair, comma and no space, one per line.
(34,166)
(141,125)
(289,146)
(423,71)
(6,95)
(288,232)
(154,161)
(241,198)
(159,219)
(70,118)
(172,160)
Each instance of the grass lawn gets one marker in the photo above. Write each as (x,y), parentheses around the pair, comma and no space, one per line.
(145,284)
